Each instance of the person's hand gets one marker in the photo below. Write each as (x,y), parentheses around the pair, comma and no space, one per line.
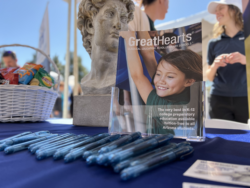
(220,61)
(127,34)
(236,57)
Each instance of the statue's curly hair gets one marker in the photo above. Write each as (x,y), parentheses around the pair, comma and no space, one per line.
(88,9)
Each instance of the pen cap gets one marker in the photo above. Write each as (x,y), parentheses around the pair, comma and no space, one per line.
(135,135)
(50,135)
(100,134)
(183,152)
(41,132)
(114,137)
(163,138)
(96,143)
(81,136)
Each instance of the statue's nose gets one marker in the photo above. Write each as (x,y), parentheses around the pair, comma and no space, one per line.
(117,23)
(118,26)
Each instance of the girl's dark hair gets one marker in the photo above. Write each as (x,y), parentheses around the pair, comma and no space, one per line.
(147,2)
(187,61)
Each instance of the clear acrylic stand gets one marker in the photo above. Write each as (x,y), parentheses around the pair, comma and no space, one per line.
(184,121)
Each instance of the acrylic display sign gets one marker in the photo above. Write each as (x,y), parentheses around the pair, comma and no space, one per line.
(159,84)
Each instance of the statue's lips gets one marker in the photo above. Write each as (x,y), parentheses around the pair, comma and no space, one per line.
(115,35)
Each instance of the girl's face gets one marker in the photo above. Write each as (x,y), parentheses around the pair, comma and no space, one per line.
(222,14)
(169,80)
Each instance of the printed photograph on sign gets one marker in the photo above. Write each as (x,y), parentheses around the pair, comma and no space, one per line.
(159,83)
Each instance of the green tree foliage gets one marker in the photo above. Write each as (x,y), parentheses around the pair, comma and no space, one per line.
(58,64)
(33,60)
(82,70)
(1,59)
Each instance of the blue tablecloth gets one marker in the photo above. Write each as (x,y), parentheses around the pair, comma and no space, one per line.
(22,170)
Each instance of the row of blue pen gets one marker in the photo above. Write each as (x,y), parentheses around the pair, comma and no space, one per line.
(130,155)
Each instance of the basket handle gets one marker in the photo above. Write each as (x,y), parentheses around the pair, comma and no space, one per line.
(50,60)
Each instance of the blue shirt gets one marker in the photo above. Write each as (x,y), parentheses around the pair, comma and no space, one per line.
(229,81)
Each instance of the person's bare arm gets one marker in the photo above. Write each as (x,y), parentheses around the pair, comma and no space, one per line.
(220,61)
(211,71)
(135,67)
(147,53)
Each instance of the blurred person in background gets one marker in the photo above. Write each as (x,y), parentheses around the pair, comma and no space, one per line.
(9,59)
(155,10)
(140,21)
(227,63)
(58,108)
(72,98)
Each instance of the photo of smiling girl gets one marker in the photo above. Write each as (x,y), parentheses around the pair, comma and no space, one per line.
(174,75)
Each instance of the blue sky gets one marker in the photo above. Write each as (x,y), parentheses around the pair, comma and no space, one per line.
(20,21)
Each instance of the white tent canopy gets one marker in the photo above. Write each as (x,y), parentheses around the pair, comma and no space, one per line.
(54,75)
(188,21)
(71,81)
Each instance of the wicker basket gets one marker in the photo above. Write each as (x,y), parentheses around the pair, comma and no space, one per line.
(25,102)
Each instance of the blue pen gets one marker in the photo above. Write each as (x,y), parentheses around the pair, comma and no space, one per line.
(103,158)
(33,147)
(64,151)
(126,163)
(20,140)
(159,151)
(41,132)
(92,159)
(24,145)
(148,155)
(120,142)
(18,135)
(97,137)
(134,171)
(61,144)
(74,154)
(22,135)
(39,147)
(26,138)
(61,152)
(58,137)
(94,151)
(41,154)
(140,148)
(62,141)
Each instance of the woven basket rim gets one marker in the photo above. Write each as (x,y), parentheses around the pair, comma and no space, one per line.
(29,87)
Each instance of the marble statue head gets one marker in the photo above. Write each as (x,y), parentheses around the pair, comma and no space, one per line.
(101,20)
